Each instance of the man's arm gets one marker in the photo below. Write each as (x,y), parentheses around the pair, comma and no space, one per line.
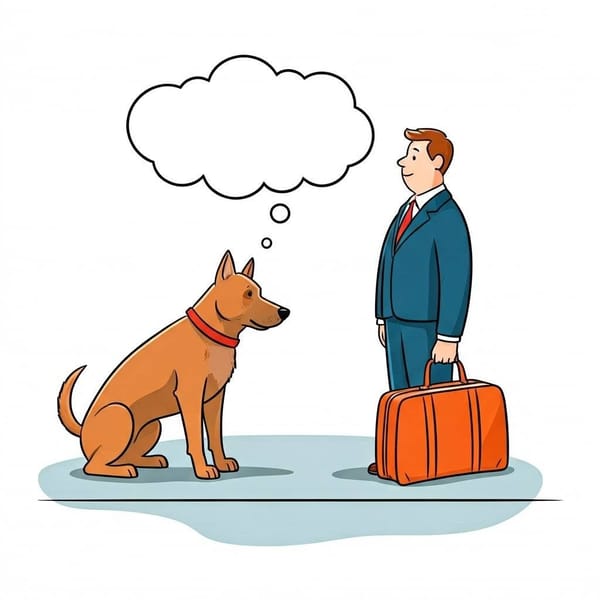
(453,251)
(379,283)
(380,271)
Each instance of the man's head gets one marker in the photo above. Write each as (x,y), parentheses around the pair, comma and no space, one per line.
(428,157)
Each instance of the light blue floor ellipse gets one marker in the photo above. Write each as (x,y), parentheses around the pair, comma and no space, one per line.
(298,490)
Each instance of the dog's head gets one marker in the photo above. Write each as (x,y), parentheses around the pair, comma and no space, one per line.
(239,298)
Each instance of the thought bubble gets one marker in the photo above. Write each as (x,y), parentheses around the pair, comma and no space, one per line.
(247,126)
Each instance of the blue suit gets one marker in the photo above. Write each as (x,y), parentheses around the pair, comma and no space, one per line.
(423,288)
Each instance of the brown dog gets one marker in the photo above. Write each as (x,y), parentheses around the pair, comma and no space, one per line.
(183,368)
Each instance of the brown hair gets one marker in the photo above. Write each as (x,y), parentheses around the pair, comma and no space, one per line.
(439,144)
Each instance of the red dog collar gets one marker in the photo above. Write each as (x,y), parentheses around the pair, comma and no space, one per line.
(211,332)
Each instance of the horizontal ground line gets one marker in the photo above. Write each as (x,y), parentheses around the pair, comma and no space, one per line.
(300,500)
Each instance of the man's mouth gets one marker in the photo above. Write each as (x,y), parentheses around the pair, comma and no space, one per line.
(407,174)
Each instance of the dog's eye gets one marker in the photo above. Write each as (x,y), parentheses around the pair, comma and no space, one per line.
(248,293)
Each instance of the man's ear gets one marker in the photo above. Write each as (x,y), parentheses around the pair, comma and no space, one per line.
(438,162)
(248,270)
(226,267)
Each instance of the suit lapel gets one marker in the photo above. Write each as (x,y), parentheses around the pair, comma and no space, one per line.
(394,228)
(418,221)
(423,215)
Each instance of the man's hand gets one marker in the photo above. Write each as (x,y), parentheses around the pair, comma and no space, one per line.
(381,329)
(444,352)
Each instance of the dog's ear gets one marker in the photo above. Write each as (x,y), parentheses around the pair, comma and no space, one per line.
(248,270)
(226,267)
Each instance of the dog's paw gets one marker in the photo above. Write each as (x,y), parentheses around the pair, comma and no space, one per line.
(110,470)
(157,461)
(207,472)
(228,465)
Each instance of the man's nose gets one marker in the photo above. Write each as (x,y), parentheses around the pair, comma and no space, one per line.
(400,161)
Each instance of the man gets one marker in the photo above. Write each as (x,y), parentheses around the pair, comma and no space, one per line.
(424,274)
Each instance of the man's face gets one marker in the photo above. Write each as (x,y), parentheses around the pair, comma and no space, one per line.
(419,172)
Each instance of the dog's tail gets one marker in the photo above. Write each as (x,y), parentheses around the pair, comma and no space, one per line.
(65,412)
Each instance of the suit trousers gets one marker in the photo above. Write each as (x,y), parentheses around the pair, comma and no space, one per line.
(408,348)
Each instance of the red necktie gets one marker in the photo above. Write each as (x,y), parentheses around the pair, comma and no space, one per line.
(405,221)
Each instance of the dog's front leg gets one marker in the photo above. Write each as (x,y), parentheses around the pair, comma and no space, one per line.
(213,417)
(190,398)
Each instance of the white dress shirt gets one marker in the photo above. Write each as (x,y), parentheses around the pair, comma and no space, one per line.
(420,201)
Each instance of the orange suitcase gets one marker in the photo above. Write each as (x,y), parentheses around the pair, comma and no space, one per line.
(439,430)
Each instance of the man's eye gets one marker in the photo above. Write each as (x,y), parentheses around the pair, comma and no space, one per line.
(414,158)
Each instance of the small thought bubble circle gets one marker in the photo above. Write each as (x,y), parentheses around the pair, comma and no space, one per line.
(266,242)
(280,213)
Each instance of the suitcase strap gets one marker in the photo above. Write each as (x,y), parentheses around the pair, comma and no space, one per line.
(475,430)
(431,436)
(431,433)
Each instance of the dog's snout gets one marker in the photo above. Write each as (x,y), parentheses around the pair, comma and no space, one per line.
(284,313)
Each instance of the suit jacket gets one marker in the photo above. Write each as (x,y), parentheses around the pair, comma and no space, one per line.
(427,277)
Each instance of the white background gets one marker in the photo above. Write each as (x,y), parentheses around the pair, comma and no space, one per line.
(97,254)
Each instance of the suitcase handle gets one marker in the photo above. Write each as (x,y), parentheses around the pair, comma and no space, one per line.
(462,375)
